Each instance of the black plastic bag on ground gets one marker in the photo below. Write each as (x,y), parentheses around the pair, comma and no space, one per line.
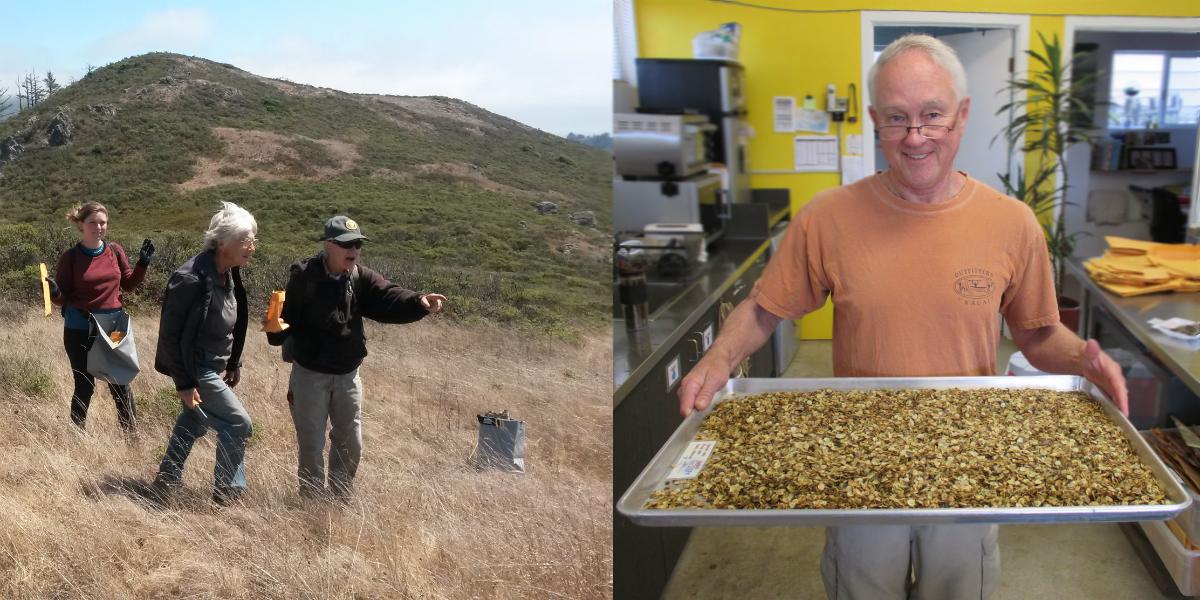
(501,443)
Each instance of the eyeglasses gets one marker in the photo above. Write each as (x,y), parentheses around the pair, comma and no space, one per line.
(248,243)
(348,245)
(929,131)
(892,133)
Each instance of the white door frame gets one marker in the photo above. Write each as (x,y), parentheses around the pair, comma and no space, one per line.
(1159,24)
(872,19)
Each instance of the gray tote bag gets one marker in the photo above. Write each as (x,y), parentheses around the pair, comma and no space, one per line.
(113,362)
(501,443)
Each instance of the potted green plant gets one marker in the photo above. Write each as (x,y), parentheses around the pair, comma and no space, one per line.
(1051,111)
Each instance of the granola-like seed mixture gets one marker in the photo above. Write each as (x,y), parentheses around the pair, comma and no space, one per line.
(913,449)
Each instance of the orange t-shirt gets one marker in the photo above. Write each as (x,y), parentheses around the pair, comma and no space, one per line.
(915,287)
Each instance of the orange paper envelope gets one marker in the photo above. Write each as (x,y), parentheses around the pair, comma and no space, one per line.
(275,324)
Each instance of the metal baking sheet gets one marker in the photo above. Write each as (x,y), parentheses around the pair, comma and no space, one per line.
(654,476)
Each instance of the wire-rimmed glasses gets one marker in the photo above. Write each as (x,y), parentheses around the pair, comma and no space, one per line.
(898,132)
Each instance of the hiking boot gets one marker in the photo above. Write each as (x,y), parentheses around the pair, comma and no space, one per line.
(227,496)
(340,493)
(309,492)
(160,490)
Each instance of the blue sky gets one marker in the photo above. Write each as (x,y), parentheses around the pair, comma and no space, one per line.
(546,63)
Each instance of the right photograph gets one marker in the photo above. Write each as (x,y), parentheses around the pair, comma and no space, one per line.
(904,301)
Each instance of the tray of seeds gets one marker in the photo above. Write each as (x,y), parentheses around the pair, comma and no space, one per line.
(851,451)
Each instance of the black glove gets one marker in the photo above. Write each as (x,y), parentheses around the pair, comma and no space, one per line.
(146,252)
(54,291)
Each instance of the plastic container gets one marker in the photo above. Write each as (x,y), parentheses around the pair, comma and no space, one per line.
(1139,382)
(1189,519)
(720,43)
(1181,563)
(1019,366)
(688,238)
(704,47)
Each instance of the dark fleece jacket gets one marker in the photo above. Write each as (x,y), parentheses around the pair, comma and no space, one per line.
(325,314)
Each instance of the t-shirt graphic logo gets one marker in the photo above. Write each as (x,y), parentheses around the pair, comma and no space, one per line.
(975,286)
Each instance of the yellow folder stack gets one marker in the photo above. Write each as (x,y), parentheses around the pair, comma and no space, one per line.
(1135,267)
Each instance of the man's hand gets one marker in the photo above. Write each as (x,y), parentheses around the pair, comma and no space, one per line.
(189,398)
(54,289)
(433,303)
(232,377)
(746,329)
(701,384)
(1100,369)
(146,252)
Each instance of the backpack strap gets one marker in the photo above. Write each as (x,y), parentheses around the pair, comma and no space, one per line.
(355,280)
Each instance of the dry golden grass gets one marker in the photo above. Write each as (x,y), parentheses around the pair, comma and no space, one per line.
(422,524)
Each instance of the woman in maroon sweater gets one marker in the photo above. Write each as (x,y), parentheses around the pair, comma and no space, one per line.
(89,279)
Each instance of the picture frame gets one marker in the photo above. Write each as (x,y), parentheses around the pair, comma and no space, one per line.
(1151,158)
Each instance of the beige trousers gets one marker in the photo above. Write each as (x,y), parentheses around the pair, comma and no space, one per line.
(929,562)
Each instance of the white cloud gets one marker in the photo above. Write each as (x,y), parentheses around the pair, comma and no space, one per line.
(177,30)
(550,72)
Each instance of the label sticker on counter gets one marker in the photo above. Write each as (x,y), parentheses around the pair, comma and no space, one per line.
(672,372)
(707,338)
(692,462)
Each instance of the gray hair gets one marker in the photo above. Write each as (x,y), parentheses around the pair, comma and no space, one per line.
(943,55)
(231,223)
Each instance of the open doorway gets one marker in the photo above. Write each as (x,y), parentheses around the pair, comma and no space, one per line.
(990,47)
(1147,97)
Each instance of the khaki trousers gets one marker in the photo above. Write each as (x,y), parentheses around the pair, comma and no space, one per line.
(318,400)
(929,562)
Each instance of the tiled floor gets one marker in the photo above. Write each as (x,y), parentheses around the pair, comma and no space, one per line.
(1090,561)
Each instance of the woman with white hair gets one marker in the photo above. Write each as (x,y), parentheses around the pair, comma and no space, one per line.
(202,331)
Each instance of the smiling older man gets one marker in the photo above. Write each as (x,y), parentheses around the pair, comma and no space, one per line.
(918,260)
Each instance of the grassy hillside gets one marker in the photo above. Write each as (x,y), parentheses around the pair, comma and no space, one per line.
(445,189)
(423,524)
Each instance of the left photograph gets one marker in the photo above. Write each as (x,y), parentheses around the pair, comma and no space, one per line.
(305,302)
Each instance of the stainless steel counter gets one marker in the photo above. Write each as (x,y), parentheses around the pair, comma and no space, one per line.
(635,352)
(1180,357)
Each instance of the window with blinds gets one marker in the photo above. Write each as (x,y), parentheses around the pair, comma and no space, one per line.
(1159,89)
(624,42)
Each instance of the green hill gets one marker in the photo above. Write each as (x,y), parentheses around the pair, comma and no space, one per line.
(446,190)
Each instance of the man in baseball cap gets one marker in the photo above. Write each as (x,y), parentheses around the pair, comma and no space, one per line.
(342,229)
(327,297)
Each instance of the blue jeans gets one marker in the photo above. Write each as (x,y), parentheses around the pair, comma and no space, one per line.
(223,412)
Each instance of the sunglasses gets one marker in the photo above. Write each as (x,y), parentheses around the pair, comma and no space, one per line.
(348,245)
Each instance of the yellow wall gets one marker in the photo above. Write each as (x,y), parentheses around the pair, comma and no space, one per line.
(792,53)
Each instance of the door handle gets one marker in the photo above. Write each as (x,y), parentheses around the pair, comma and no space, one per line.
(695,348)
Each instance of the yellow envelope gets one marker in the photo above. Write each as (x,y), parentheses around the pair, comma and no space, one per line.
(1175,251)
(45,287)
(1124,262)
(1122,245)
(1182,268)
(1137,290)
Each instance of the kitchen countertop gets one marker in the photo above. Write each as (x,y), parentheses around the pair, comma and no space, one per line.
(1180,357)
(636,352)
